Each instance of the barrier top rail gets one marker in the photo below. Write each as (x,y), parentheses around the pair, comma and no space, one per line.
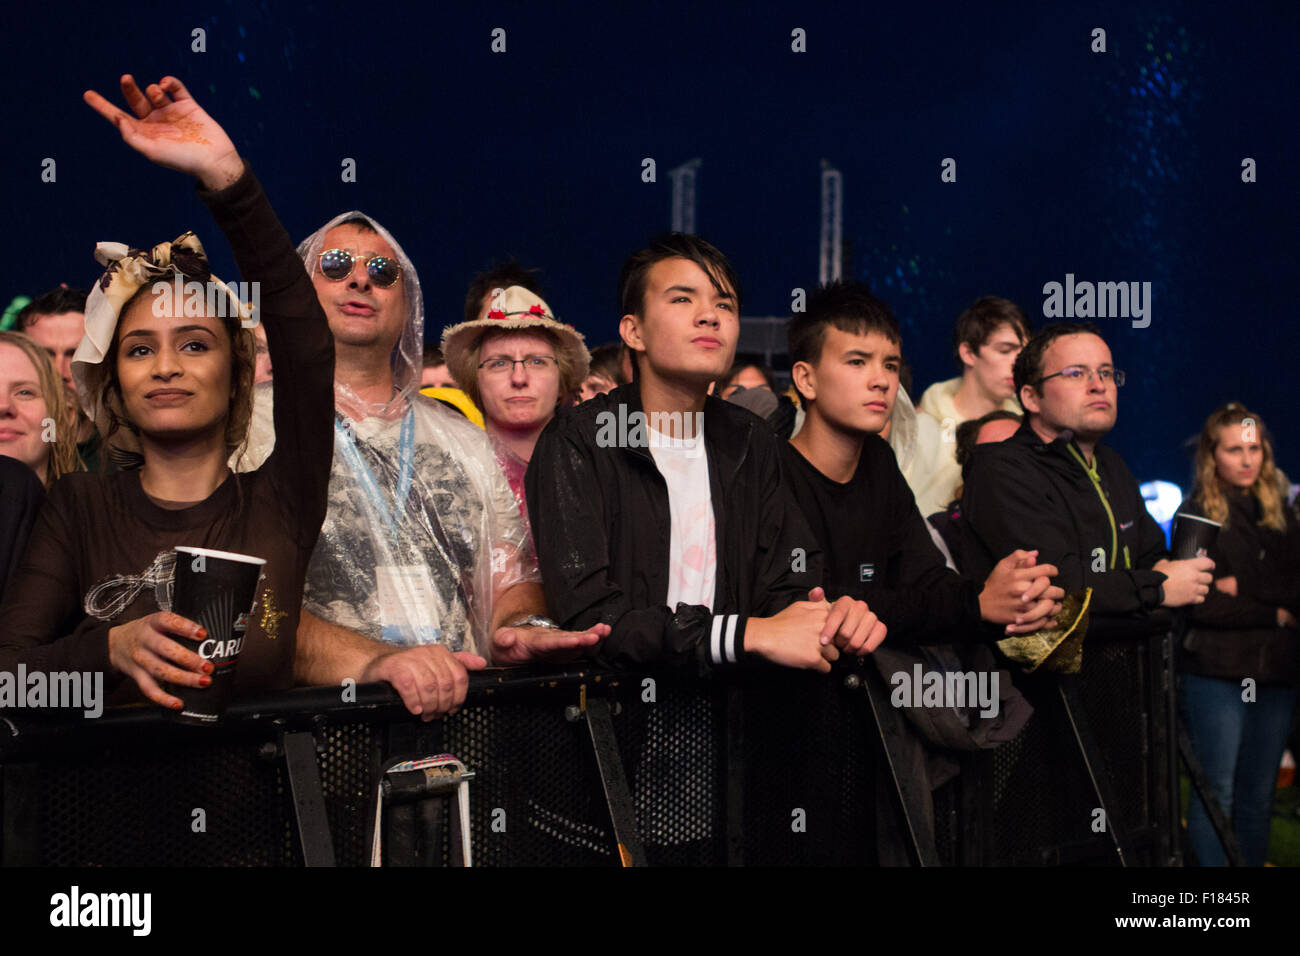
(23,731)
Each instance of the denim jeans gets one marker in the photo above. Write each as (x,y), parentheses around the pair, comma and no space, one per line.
(1240,745)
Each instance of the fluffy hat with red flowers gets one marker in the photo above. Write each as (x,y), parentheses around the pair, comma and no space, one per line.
(514,309)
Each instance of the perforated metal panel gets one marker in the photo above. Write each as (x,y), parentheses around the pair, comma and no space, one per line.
(1043,803)
(122,806)
(1116,696)
(673,750)
(348,758)
(809,790)
(536,797)
(808,747)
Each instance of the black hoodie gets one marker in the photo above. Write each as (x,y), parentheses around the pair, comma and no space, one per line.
(1026,493)
(600,519)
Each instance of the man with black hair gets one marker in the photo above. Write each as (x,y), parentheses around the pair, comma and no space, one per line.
(605,372)
(1055,483)
(659,509)
(56,321)
(845,354)
(845,350)
(435,373)
(478,300)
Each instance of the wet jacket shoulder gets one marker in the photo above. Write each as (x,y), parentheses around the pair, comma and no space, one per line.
(600,514)
(1031,494)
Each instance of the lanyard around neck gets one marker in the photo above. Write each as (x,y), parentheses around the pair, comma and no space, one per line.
(406,457)
(1095,478)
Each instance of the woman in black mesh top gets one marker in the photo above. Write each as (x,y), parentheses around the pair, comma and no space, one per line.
(171,393)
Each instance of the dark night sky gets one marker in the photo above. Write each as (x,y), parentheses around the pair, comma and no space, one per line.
(1116,166)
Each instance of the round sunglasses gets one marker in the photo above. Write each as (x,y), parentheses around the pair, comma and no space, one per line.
(336,265)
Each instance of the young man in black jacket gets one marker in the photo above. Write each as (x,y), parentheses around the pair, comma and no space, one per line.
(846,351)
(660,511)
(1054,485)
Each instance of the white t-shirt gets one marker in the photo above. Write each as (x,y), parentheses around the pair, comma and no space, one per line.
(692,549)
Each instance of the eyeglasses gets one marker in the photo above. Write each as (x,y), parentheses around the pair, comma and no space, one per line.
(1076,374)
(531,363)
(336,265)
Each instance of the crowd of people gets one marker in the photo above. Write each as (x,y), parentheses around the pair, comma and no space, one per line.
(508,495)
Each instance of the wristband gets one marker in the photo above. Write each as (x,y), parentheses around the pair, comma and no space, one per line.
(534,620)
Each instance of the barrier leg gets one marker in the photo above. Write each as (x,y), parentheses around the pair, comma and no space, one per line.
(1096,769)
(299,748)
(618,796)
(911,792)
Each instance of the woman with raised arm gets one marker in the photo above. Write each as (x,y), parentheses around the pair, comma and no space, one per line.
(168,382)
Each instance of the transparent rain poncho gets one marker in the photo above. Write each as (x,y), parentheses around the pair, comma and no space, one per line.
(903,430)
(918,440)
(422,531)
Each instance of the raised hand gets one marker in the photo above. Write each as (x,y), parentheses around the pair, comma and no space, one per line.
(171,129)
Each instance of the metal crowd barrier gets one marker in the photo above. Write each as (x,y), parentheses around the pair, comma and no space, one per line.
(582,767)
(1093,777)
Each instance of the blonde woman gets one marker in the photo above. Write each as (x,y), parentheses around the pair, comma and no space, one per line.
(36,423)
(1246,629)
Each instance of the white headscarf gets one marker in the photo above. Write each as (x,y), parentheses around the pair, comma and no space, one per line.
(408,355)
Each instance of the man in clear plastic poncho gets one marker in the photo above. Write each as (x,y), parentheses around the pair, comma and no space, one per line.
(423,567)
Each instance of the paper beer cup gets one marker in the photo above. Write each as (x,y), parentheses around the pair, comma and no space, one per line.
(215,589)
(1193,536)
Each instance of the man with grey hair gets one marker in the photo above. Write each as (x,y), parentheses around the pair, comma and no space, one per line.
(423,567)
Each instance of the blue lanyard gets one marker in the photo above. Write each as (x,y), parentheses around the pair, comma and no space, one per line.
(406,455)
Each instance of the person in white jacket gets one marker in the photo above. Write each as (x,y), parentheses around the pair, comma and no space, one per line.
(986,340)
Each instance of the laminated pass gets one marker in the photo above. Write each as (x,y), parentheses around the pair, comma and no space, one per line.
(406,602)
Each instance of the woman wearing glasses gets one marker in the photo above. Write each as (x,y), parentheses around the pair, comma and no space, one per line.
(1242,662)
(170,392)
(518,364)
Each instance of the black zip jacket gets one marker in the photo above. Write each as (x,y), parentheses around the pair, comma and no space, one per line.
(1024,493)
(601,527)
(1235,637)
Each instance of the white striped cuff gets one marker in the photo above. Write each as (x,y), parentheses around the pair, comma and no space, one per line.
(726,642)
